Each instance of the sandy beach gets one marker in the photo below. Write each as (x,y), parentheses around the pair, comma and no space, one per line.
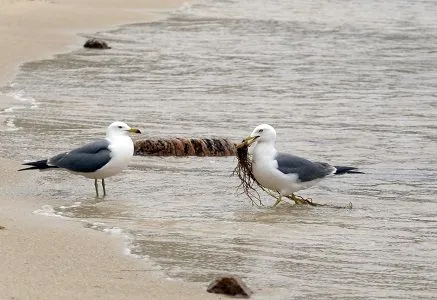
(49,257)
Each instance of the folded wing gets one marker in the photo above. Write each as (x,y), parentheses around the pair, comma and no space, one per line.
(88,158)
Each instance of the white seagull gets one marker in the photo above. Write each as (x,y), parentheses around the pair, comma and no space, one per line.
(281,172)
(96,160)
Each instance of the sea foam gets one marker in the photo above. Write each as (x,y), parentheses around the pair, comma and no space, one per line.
(48,210)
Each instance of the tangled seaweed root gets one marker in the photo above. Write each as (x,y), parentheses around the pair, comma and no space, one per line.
(185,147)
(244,172)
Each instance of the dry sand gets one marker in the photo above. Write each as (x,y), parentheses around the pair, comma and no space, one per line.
(49,257)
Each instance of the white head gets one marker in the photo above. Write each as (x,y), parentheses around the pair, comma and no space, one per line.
(264,133)
(120,128)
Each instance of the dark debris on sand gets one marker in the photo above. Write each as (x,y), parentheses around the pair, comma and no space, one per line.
(229,285)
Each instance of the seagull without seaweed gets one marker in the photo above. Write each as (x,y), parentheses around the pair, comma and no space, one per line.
(285,173)
(96,160)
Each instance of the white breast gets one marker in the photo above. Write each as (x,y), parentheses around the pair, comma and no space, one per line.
(265,170)
(122,150)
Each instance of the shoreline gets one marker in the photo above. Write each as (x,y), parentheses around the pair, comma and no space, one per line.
(36,29)
(57,258)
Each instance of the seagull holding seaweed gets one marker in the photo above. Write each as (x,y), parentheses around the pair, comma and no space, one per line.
(96,160)
(284,173)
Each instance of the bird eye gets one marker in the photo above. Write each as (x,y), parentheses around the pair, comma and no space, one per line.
(261,130)
(120,127)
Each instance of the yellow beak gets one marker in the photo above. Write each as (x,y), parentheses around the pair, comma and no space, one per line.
(247,141)
(134,130)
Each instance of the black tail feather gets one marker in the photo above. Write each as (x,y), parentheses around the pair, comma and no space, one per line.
(37,165)
(343,170)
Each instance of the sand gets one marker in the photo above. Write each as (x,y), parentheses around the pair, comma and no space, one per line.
(49,257)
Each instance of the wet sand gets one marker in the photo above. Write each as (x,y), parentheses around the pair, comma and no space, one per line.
(54,258)
(49,257)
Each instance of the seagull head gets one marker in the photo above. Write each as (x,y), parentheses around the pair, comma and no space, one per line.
(263,133)
(120,128)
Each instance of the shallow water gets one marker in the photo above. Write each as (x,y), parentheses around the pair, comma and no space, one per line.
(348,83)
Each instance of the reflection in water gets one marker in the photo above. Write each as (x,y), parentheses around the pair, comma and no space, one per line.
(341,83)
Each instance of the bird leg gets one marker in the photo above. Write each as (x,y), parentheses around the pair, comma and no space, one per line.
(103,185)
(97,187)
(300,200)
(278,200)
(273,194)
(295,198)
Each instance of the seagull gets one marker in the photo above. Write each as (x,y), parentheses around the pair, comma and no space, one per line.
(96,160)
(281,172)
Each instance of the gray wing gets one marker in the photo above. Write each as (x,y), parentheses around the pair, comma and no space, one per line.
(88,158)
(305,169)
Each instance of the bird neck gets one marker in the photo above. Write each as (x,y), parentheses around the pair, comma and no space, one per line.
(263,151)
(115,136)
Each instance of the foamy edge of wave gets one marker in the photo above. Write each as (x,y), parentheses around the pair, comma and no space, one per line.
(48,211)
(19,95)
(126,238)
(128,246)
(8,112)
